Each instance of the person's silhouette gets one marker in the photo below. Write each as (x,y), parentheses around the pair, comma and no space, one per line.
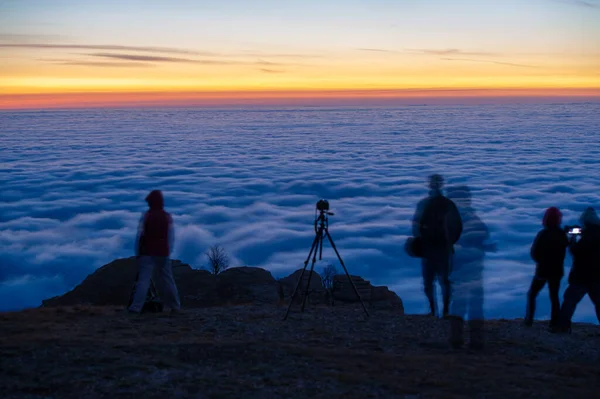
(467,271)
(548,251)
(584,277)
(154,244)
(438,226)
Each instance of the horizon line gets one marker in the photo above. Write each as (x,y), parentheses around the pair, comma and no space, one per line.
(308,97)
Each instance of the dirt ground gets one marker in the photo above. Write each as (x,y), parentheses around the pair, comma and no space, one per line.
(249,352)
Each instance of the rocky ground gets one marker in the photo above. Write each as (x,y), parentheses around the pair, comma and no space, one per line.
(111,285)
(249,352)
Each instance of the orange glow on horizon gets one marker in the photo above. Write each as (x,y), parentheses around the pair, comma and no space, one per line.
(134,53)
(279,97)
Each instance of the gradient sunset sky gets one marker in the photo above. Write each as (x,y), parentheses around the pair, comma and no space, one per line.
(69,53)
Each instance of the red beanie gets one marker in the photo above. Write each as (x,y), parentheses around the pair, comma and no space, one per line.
(552,218)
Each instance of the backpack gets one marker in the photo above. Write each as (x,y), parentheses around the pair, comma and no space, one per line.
(434,227)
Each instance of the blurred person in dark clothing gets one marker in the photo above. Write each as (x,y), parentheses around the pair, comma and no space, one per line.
(467,272)
(584,277)
(548,252)
(154,244)
(437,224)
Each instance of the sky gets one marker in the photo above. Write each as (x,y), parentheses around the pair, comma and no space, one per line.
(67,52)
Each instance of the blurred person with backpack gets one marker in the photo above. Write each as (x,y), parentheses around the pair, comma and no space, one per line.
(437,226)
(154,244)
(548,252)
(584,277)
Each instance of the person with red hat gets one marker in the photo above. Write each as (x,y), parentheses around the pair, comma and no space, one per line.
(154,244)
(548,252)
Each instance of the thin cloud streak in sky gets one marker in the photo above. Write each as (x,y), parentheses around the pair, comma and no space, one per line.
(107,64)
(109,47)
(377,50)
(266,70)
(152,58)
(147,49)
(448,52)
(490,62)
(580,3)
(429,51)
(278,55)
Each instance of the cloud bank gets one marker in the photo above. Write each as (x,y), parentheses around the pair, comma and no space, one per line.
(73,184)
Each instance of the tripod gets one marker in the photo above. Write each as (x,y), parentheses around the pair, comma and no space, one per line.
(321,230)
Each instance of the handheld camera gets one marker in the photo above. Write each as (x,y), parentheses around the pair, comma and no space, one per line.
(573,230)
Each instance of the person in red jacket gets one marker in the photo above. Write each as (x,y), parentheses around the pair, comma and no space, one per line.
(154,244)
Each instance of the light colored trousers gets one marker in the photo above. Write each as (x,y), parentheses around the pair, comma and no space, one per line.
(468,291)
(166,282)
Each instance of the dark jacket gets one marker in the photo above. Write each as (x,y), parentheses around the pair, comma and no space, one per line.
(586,257)
(454,221)
(155,232)
(548,251)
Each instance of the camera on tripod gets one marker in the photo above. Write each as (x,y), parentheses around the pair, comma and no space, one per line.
(321,233)
(323,206)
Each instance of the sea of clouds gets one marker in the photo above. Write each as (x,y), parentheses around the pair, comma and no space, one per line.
(72,188)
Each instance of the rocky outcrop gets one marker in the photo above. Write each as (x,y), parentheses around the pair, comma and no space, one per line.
(288,284)
(109,285)
(112,285)
(378,296)
(243,285)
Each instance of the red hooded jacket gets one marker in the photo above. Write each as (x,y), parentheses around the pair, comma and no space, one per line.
(155,231)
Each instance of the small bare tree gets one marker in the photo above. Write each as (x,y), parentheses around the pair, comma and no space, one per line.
(327,276)
(218,260)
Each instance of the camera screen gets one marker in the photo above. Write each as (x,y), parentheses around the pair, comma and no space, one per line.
(575,230)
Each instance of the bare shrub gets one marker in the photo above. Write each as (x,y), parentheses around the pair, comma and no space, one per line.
(327,276)
(218,260)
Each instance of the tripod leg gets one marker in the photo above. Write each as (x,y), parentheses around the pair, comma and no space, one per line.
(312,249)
(347,274)
(312,268)
(321,248)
